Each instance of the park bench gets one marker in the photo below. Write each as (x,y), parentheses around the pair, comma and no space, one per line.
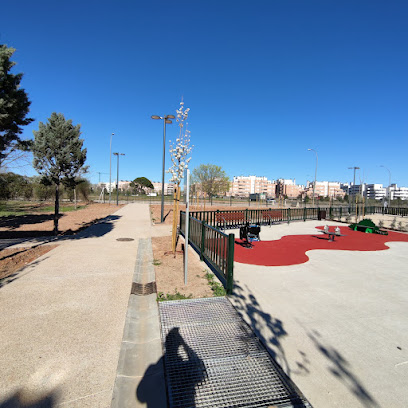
(232,220)
(271,216)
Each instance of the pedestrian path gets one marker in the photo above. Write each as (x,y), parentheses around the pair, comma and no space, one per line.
(213,359)
(62,318)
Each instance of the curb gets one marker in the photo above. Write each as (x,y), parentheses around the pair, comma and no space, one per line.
(140,372)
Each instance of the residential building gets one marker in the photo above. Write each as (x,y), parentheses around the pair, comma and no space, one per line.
(325,189)
(168,188)
(398,192)
(243,186)
(288,188)
(375,191)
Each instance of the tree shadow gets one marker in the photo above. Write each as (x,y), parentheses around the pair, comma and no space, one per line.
(23,271)
(180,362)
(15,221)
(17,401)
(341,369)
(95,228)
(268,329)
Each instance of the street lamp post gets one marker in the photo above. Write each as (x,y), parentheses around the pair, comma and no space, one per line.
(314,184)
(110,168)
(389,183)
(117,177)
(166,119)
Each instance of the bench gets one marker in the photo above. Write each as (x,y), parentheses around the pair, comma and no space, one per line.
(271,216)
(233,219)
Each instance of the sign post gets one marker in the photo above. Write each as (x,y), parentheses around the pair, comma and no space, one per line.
(187,199)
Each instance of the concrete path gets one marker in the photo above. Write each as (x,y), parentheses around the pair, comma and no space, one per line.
(337,324)
(62,318)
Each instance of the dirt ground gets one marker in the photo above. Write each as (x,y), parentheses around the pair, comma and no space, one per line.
(170,270)
(35,225)
(42,224)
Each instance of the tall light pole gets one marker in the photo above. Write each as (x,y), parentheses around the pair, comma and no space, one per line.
(314,185)
(117,177)
(166,119)
(110,169)
(389,182)
(354,178)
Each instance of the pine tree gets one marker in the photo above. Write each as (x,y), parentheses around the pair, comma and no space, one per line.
(58,154)
(14,105)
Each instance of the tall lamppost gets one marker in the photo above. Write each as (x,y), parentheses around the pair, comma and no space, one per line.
(314,185)
(389,182)
(110,168)
(117,177)
(166,119)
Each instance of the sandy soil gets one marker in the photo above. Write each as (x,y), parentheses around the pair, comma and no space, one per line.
(41,224)
(170,270)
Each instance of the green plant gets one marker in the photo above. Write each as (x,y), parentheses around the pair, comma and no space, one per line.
(381,223)
(218,289)
(156,262)
(393,223)
(161,297)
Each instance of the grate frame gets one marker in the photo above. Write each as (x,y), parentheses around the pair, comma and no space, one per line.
(143,289)
(212,358)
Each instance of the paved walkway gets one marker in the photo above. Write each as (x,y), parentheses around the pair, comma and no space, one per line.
(62,318)
(337,324)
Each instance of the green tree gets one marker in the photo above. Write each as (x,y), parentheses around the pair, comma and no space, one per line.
(211,179)
(140,184)
(59,156)
(14,106)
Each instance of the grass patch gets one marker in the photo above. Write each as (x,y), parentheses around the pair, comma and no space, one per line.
(217,288)
(161,297)
(156,262)
(16,208)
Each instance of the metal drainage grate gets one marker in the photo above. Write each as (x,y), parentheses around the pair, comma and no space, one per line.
(143,289)
(213,359)
(124,239)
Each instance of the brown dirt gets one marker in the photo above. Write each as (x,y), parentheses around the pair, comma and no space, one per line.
(42,224)
(12,260)
(170,271)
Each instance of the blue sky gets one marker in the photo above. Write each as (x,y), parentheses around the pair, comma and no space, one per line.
(265,81)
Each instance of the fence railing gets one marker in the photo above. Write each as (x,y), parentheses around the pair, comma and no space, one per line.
(215,248)
(235,218)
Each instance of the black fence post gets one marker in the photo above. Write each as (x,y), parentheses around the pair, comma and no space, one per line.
(202,241)
(230,264)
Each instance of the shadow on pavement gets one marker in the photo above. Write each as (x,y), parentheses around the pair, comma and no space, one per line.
(96,230)
(247,305)
(179,361)
(340,368)
(17,401)
(15,221)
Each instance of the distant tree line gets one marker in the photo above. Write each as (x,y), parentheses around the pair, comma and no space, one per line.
(17,187)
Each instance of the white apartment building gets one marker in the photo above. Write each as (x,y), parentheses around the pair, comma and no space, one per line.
(398,192)
(375,191)
(168,188)
(243,186)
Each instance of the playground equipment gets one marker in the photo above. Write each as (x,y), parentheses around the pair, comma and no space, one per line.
(367,226)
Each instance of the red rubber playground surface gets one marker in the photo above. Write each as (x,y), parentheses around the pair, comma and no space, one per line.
(291,249)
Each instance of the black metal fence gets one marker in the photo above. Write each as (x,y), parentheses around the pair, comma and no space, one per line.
(215,248)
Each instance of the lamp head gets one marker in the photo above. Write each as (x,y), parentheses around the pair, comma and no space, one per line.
(168,121)
(170,117)
(155,117)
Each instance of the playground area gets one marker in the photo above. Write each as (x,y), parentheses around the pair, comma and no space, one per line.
(332,313)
